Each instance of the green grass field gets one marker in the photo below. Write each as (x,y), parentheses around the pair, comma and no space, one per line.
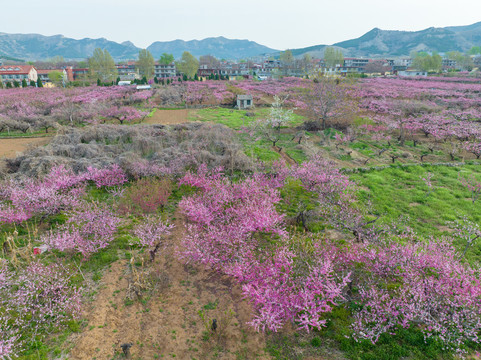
(400,192)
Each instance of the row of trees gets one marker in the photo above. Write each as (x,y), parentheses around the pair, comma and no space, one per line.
(102,65)
(424,61)
(434,62)
(188,64)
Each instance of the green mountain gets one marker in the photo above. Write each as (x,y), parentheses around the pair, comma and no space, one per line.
(375,43)
(220,47)
(40,47)
(385,43)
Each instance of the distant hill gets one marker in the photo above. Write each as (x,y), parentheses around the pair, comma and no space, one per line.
(384,43)
(375,43)
(40,47)
(220,47)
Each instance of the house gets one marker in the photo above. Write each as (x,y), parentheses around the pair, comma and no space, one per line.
(128,71)
(244,101)
(412,73)
(356,63)
(233,70)
(205,72)
(449,64)
(11,73)
(340,70)
(165,71)
(80,73)
(400,64)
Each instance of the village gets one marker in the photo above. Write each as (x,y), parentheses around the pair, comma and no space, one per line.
(209,68)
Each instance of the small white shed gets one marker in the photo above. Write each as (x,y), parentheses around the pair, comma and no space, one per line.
(244,101)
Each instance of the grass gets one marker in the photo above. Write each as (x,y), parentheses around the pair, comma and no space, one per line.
(400,192)
(262,149)
(335,339)
(236,119)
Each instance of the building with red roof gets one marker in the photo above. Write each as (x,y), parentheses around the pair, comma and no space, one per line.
(11,73)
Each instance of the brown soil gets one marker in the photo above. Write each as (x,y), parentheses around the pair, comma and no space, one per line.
(169,117)
(168,323)
(10,147)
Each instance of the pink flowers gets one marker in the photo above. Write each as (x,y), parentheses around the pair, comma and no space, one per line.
(124,114)
(90,227)
(151,233)
(34,300)
(113,176)
(58,191)
(421,285)
(290,287)
(236,229)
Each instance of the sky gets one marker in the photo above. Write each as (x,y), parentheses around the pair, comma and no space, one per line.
(279,24)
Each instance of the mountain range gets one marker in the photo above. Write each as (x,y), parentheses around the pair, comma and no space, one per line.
(40,47)
(393,43)
(375,43)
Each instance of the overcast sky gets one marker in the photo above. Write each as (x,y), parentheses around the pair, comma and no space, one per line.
(279,24)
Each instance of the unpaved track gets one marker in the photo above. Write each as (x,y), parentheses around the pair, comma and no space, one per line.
(169,322)
(169,117)
(10,147)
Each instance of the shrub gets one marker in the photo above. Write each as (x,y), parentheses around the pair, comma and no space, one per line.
(168,150)
(145,196)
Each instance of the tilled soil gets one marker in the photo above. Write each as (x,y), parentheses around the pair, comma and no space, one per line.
(10,147)
(169,117)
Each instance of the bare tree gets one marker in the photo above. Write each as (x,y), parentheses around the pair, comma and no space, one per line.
(328,100)
(209,61)
(376,67)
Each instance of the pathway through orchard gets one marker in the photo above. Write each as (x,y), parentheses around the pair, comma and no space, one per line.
(169,322)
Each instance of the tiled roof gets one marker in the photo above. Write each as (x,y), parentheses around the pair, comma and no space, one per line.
(15,69)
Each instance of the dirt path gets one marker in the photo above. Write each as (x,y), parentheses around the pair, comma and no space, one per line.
(169,117)
(168,324)
(10,147)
